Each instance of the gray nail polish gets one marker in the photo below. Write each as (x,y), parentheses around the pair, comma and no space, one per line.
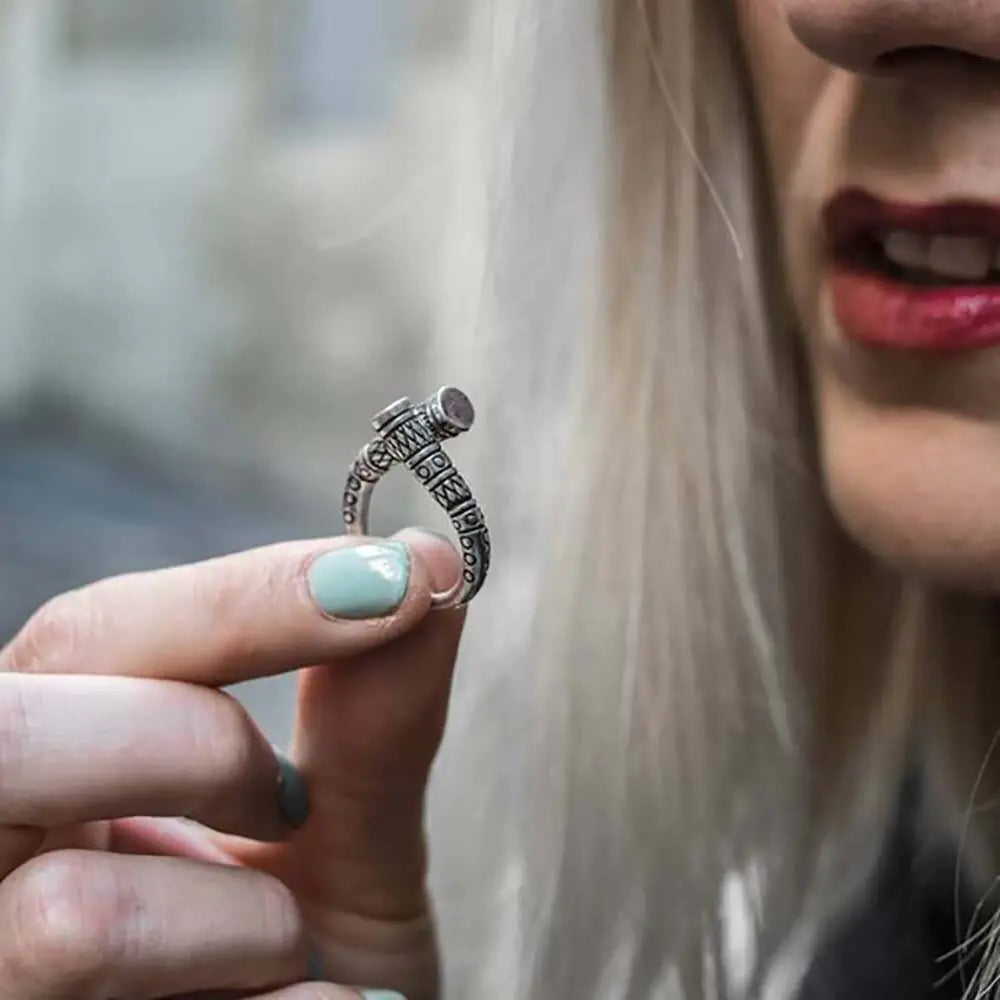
(316,972)
(361,581)
(381,995)
(293,794)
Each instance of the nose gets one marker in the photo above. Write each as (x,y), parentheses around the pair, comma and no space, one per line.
(879,35)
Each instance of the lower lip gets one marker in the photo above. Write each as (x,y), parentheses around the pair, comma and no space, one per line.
(877,310)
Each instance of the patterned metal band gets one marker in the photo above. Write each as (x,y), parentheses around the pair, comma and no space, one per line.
(411,435)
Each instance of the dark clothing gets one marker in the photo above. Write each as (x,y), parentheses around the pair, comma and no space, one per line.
(900,942)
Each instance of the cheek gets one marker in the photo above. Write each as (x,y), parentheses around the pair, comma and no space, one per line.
(919,488)
(786,77)
(917,485)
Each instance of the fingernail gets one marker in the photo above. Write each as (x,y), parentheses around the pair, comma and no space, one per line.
(363,581)
(293,793)
(316,972)
(381,995)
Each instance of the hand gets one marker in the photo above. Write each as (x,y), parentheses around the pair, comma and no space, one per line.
(109,710)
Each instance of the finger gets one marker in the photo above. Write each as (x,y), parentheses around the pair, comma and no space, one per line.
(367,732)
(375,720)
(169,837)
(232,618)
(81,923)
(327,991)
(436,552)
(19,844)
(80,748)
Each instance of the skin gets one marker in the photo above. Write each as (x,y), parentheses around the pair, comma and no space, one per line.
(910,445)
(110,709)
(97,903)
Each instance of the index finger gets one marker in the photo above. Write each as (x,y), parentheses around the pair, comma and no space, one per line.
(232,618)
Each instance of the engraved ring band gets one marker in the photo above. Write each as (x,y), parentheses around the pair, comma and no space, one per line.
(411,435)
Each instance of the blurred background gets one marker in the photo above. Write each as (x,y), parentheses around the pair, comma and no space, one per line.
(221,228)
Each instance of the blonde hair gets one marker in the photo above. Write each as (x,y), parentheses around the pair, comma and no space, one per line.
(687,771)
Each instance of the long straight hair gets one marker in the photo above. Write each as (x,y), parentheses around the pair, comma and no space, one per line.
(682,768)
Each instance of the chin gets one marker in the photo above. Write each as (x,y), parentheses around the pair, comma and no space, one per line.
(918,489)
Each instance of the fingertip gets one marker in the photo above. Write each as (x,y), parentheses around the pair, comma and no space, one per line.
(437,554)
(365,580)
(293,792)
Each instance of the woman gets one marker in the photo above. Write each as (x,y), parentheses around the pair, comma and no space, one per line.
(770,596)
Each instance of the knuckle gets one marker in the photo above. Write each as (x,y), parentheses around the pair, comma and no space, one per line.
(281,919)
(241,581)
(233,589)
(225,742)
(67,911)
(215,588)
(52,637)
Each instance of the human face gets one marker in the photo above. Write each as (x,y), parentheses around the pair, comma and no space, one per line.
(881,122)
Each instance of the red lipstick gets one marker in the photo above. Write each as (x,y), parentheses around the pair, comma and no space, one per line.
(880,303)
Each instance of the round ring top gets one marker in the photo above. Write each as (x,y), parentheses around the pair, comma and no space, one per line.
(455,408)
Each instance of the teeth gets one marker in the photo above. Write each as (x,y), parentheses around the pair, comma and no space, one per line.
(968,257)
(907,249)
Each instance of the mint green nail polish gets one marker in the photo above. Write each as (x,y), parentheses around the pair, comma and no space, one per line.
(293,795)
(381,995)
(363,581)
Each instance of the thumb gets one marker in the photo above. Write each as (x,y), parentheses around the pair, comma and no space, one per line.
(366,733)
(372,722)
(367,730)
(436,552)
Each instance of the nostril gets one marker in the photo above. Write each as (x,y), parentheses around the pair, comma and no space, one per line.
(914,58)
(901,58)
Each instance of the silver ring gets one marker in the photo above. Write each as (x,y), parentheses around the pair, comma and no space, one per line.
(411,435)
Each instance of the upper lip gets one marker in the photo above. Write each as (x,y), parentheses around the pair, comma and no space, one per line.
(853,214)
